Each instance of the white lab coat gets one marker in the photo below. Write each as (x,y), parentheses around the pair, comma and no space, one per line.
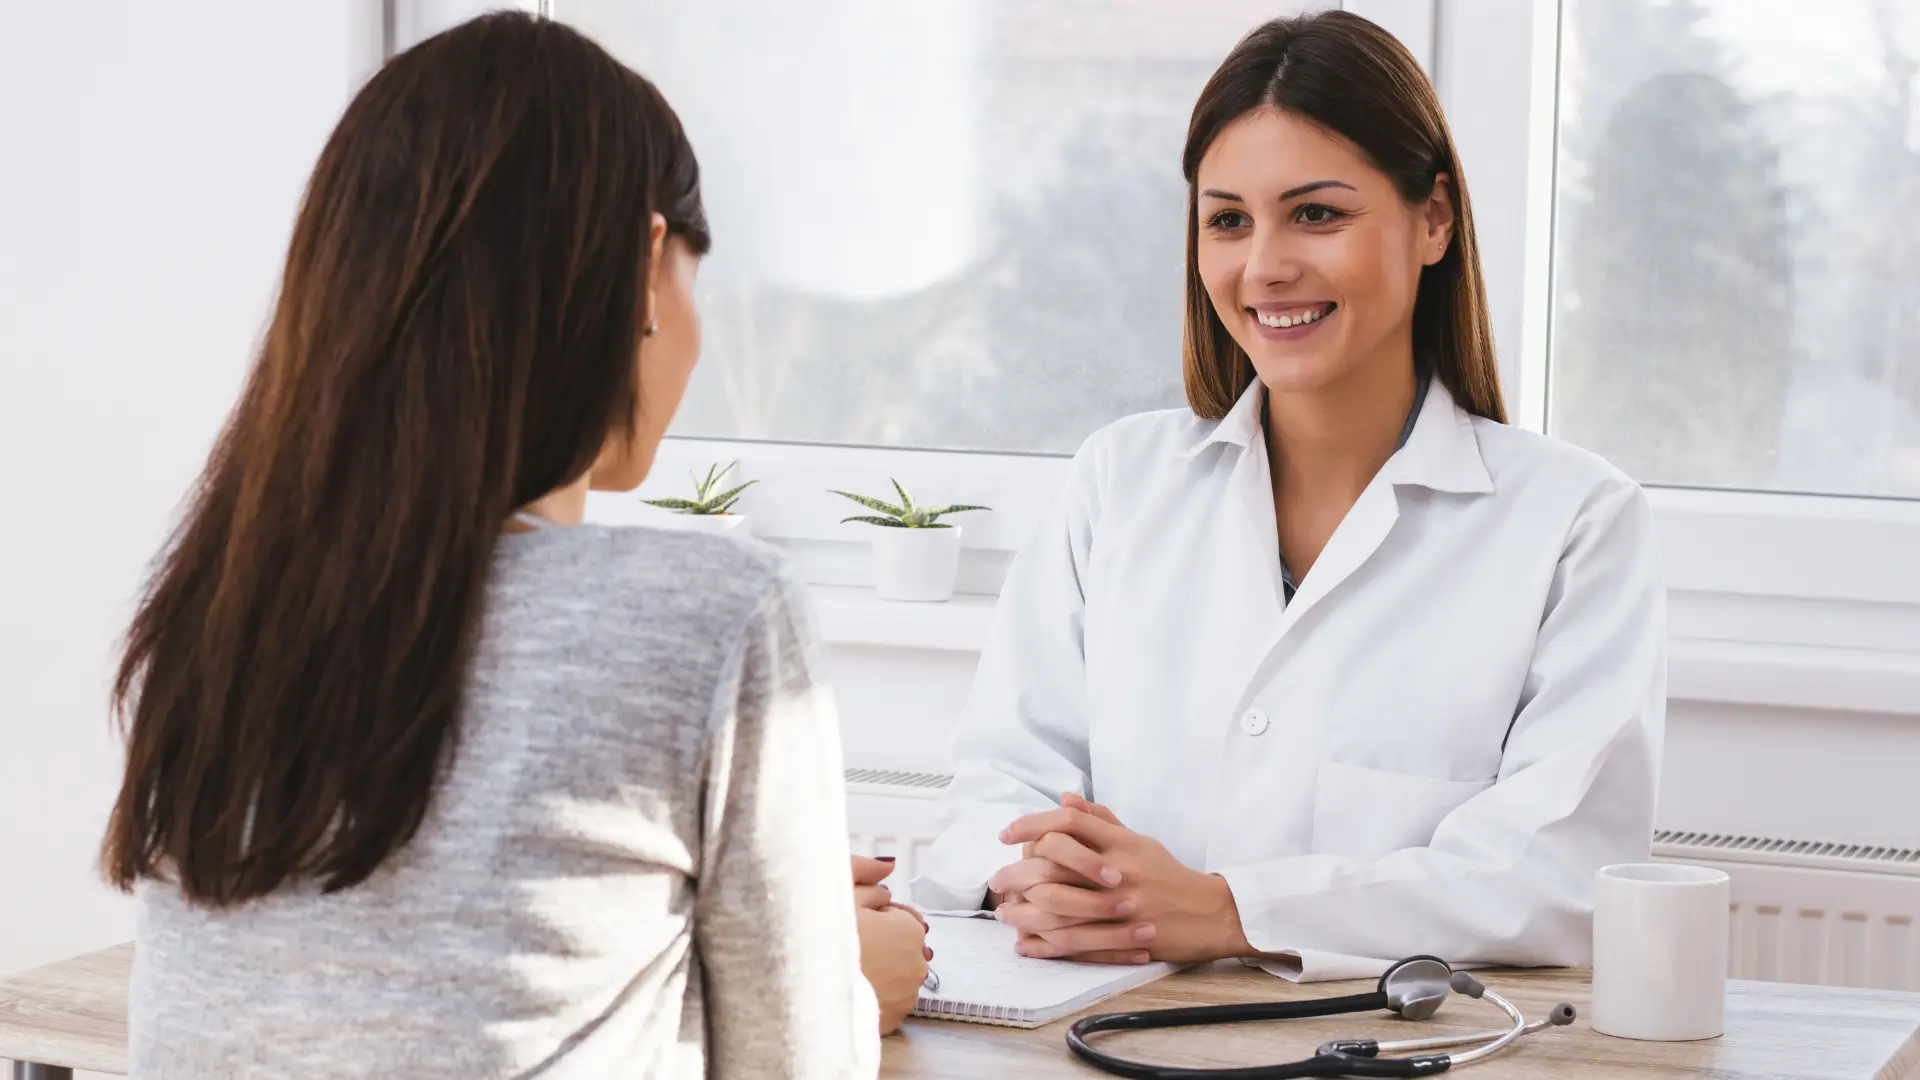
(1431,749)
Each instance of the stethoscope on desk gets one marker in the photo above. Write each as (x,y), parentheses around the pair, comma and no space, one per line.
(1413,989)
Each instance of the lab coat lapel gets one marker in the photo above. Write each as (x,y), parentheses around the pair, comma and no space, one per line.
(1441,453)
(1259,536)
(1250,602)
(1248,544)
(1359,535)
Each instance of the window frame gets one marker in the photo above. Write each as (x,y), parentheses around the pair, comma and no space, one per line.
(1775,599)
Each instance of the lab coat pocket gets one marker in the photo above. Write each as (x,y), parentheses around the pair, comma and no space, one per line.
(1364,813)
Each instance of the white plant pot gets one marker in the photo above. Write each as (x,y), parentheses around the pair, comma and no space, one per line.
(711,523)
(916,564)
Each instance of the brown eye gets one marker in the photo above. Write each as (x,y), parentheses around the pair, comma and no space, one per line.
(1227,219)
(1318,214)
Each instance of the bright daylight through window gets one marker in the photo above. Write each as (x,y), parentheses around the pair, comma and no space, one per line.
(1736,273)
(955,224)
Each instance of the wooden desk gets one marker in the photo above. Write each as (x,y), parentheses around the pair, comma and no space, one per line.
(69,1015)
(74,1014)
(1775,1031)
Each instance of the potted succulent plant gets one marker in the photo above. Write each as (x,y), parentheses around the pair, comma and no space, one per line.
(709,510)
(915,555)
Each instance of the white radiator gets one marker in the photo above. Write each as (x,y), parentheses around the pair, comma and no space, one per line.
(1811,912)
(1803,911)
(894,813)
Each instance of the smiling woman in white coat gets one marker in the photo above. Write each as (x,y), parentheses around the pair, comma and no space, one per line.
(1333,666)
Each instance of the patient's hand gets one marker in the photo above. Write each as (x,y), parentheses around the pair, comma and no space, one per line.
(893,958)
(893,942)
(868,892)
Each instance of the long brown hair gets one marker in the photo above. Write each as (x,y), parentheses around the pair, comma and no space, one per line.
(1356,80)
(455,336)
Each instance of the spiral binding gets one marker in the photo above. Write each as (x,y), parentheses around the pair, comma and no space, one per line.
(972,1012)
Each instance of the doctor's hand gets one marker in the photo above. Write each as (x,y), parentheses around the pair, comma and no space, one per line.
(1010,883)
(1111,895)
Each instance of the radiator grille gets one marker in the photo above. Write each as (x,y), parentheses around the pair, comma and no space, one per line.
(1773,851)
(911,785)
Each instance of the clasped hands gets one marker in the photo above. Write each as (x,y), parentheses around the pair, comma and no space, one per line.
(1088,888)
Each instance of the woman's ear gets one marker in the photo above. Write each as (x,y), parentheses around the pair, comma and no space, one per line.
(656,253)
(1439,217)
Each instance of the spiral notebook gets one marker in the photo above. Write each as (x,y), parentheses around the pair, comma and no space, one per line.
(983,981)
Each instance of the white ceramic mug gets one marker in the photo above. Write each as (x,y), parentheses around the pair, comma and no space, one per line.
(1660,951)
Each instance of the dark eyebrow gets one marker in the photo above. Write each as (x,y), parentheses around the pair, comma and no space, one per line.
(1294,193)
(1290,193)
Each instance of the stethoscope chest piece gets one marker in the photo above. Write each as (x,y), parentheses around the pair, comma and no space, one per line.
(1417,986)
(1413,989)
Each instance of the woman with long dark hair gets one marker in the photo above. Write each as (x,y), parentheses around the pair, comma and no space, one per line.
(1332,666)
(424,776)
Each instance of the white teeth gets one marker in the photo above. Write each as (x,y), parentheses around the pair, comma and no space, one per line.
(1284,321)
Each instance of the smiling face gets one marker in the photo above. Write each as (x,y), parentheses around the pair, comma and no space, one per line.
(1311,257)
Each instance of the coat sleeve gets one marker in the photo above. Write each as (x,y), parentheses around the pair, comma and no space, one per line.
(1507,877)
(1022,739)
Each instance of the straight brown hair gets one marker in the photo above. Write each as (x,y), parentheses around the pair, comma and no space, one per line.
(1356,80)
(456,335)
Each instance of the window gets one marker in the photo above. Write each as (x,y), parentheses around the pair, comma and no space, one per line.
(946,224)
(1737,243)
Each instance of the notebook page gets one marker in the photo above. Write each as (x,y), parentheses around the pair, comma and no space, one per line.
(983,979)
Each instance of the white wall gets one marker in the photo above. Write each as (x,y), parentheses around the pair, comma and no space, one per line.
(1802,774)
(898,707)
(151,158)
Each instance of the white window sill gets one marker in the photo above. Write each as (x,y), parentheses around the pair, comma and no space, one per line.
(1700,668)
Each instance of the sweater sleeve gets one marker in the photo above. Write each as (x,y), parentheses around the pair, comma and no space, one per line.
(775,927)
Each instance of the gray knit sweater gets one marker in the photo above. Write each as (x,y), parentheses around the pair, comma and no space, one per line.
(635,866)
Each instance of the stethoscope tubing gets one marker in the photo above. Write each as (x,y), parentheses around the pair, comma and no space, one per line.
(1198,1015)
(1320,1065)
(1441,1042)
(1343,1057)
(1327,1063)
(1518,1029)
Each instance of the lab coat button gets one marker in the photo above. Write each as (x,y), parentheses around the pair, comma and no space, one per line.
(1253,722)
